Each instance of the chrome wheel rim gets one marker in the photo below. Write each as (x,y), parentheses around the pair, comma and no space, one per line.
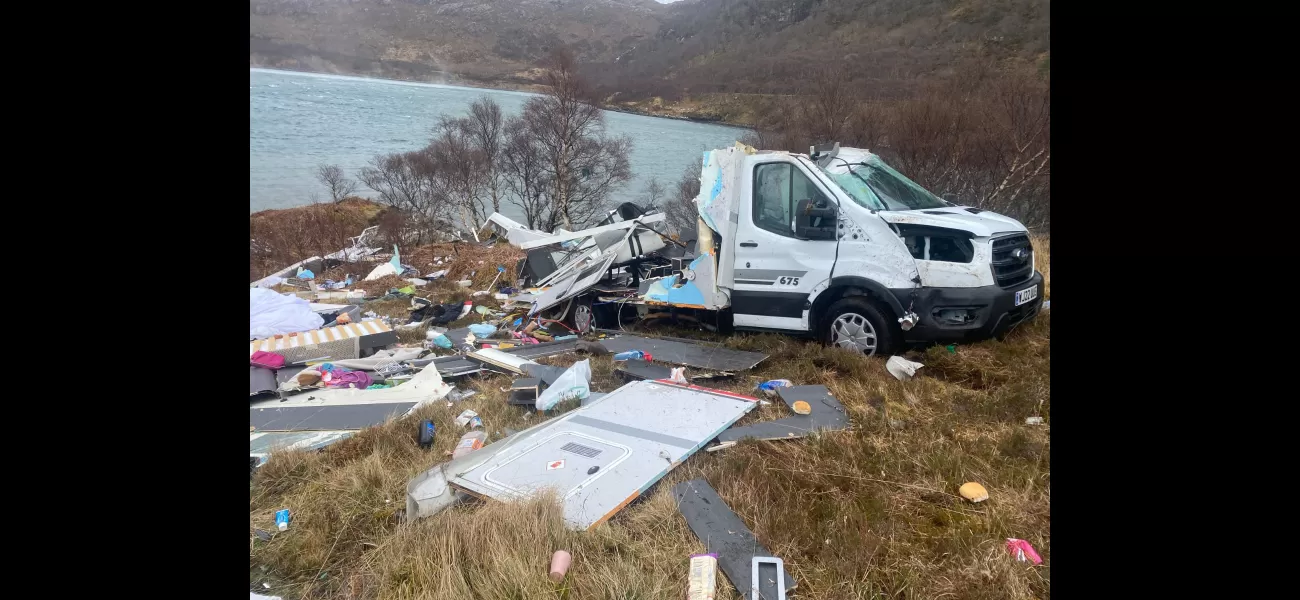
(853,331)
(582,318)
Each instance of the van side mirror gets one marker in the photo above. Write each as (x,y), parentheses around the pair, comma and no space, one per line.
(816,220)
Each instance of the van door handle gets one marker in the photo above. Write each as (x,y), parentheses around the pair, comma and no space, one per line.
(749,244)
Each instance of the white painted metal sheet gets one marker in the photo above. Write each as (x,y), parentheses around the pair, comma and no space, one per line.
(602,456)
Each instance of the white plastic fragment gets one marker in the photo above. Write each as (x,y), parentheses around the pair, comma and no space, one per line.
(901,368)
(908,321)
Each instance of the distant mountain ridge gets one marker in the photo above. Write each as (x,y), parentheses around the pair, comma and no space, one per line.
(642,48)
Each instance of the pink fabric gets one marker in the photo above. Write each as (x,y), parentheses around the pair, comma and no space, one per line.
(266,360)
(355,379)
(1023,551)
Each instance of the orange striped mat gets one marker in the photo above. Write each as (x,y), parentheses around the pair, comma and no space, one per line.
(319,336)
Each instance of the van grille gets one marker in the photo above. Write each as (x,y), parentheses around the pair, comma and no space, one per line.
(1008,270)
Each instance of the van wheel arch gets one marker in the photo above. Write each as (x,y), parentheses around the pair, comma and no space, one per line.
(847,287)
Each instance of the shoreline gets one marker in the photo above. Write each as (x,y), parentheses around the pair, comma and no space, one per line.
(501,87)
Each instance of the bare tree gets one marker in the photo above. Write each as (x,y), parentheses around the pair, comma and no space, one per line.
(524,173)
(412,183)
(338,184)
(652,194)
(460,171)
(827,104)
(486,128)
(681,213)
(567,125)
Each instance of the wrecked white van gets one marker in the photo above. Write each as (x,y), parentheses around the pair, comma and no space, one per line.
(834,244)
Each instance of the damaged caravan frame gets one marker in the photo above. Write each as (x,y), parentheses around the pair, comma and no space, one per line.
(835,244)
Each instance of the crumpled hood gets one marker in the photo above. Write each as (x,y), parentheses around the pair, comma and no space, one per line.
(984,224)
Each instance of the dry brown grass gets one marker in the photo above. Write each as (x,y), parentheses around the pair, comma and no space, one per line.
(863,513)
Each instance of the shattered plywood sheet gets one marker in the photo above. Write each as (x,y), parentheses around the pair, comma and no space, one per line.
(687,353)
(605,454)
(324,418)
(724,534)
(827,414)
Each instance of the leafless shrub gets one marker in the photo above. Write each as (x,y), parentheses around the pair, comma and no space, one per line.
(980,138)
(340,186)
(680,207)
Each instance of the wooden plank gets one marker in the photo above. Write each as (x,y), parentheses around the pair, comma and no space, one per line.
(724,534)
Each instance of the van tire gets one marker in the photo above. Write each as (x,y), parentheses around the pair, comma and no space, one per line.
(858,311)
(581,313)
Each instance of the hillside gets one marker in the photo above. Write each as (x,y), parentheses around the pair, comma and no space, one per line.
(643,49)
(488,41)
(710,46)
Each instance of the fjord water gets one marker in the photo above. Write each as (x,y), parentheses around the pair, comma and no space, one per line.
(299,120)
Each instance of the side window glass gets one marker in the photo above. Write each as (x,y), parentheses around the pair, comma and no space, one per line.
(805,189)
(772,206)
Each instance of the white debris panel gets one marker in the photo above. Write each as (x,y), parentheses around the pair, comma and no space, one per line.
(597,458)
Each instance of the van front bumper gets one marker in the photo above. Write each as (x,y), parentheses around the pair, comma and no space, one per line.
(948,314)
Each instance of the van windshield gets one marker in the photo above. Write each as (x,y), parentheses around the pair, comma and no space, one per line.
(877,186)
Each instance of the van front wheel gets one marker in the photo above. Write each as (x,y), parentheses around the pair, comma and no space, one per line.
(857,325)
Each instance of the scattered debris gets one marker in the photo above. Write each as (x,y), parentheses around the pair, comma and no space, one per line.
(524,391)
(901,368)
(560,562)
(633,355)
(1023,551)
(263,535)
(1047,304)
(702,583)
(573,384)
(346,408)
(623,433)
(594,348)
(498,358)
(471,441)
(760,583)
(1033,421)
(640,370)
(282,519)
(685,353)
(466,417)
(272,313)
(801,407)
(908,321)
(427,431)
(262,443)
(825,413)
(973,491)
(768,388)
(727,537)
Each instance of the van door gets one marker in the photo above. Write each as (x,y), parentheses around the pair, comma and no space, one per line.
(775,270)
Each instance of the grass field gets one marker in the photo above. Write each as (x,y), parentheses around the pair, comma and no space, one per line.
(870,512)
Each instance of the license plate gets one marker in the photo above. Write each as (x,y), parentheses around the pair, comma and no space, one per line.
(1026,295)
